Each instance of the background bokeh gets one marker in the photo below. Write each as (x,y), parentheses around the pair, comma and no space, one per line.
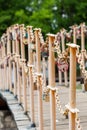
(49,15)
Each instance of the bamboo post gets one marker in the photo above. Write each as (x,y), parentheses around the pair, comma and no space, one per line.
(72,92)
(30,59)
(23,69)
(14,67)
(63,50)
(39,86)
(52,82)
(83,49)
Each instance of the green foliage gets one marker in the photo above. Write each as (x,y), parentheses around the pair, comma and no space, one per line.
(42,15)
(50,15)
(12,12)
(71,12)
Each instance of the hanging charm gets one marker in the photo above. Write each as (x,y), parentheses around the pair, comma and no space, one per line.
(62,65)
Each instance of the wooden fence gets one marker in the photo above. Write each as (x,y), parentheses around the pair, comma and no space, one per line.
(24,55)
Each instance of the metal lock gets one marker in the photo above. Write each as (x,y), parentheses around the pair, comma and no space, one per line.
(46,97)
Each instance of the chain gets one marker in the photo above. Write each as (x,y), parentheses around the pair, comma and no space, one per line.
(40,36)
(60,54)
(81,62)
(45,90)
(31,34)
(34,75)
(26,68)
(58,103)
(5,59)
(78,122)
(59,106)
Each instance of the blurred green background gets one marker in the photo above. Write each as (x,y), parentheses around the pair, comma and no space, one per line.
(49,15)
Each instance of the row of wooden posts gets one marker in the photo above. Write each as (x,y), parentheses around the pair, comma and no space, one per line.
(12,59)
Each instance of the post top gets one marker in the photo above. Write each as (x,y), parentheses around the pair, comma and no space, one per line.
(63,30)
(82,24)
(37,29)
(74,26)
(28,27)
(21,26)
(15,25)
(73,45)
(51,35)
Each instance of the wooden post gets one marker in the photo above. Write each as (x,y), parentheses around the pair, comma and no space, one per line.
(18,67)
(14,67)
(83,49)
(5,77)
(44,70)
(0,76)
(74,34)
(30,59)
(0,66)
(19,80)
(24,87)
(8,53)
(63,50)
(21,40)
(9,82)
(1,53)
(72,91)
(82,37)
(60,77)
(23,70)
(7,58)
(4,65)
(39,87)
(34,60)
(52,82)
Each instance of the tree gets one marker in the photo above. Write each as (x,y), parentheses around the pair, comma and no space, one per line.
(12,12)
(50,16)
(42,14)
(70,12)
